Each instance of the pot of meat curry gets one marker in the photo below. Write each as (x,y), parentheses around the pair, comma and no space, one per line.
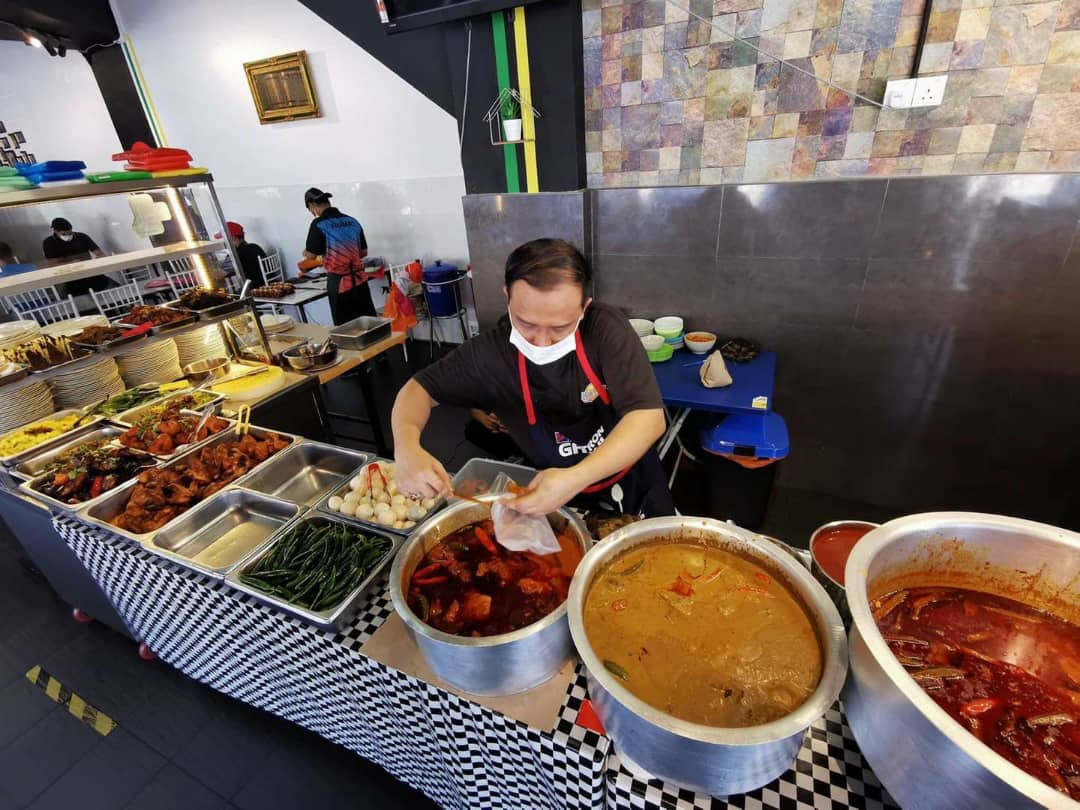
(709,653)
(511,642)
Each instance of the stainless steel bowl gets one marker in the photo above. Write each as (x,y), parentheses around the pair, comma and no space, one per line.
(715,761)
(834,589)
(921,755)
(493,665)
(212,368)
(299,358)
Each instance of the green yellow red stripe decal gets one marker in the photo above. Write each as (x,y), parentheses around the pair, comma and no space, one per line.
(502,72)
(528,124)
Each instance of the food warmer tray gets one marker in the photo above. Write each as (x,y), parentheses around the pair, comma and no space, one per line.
(108,345)
(234,304)
(324,507)
(78,359)
(35,464)
(163,328)
(114,502)
(304,474)
(20,372)
(133,415)
(332,619)
(22,455)
(361,332)
(27,488)
(233,513)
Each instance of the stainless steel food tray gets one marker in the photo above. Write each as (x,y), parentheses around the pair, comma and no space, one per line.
(74,360)
(112,504)
(133,415)
(234,304)
(335,618)
(108,345)
(306,473)
(343,488)
(36,463)
(361,332)
(28,488)
(166,327)
(16,458)
(233,514)
(16,375)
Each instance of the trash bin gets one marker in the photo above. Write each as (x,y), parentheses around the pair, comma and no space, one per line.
(741,464)
(442,297)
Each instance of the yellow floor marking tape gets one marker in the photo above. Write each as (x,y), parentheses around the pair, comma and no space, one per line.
(58,693)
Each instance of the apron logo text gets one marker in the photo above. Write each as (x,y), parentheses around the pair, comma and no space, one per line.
(568,448)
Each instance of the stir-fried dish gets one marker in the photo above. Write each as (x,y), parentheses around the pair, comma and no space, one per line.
(703,634)
(469,585)
(158,316)
(164,493)
(89,470)
(1008,673)
(95,335)
(162,433)
(203,298)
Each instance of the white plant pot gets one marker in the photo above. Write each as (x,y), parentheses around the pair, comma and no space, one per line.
(512,129)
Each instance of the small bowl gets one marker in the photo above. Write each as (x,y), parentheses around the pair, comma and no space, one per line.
(669,326)
(652,343)
(212,368)
(299,357)
(700,342)
(642,326)
(834,587)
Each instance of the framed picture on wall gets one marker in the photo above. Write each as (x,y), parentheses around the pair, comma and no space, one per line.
(3,129)
(9,157)
(281,88)
(17,138)
(31,158)
(23,158)
(4,143)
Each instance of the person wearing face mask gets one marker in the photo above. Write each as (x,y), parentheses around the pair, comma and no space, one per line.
(339,241)
(64,245)
(568,379)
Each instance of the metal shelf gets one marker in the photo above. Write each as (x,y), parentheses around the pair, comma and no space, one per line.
(62,273)
(75,191)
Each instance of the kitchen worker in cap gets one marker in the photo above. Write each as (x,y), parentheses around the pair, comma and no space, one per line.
(65,244)
(339,240)
(569,380)
(248,252)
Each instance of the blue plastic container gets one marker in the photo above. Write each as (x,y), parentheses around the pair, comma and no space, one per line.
(442,297)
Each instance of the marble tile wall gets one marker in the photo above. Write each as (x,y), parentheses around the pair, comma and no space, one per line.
(670,99)
(925,327)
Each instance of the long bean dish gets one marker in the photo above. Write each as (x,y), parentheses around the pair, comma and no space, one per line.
(1008,673)
(469,585)
(162,494)
(92,469)
(161,434)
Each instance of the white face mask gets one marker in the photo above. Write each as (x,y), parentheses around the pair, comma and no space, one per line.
(543,355)
(66,237)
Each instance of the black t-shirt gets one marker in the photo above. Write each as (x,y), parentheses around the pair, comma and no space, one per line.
(56,248)
(249,254)
(483,373)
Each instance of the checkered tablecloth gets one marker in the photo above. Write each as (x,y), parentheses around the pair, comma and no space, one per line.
(459,753)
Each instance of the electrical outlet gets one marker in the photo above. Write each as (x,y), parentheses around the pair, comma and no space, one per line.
(898,93)
(929,91)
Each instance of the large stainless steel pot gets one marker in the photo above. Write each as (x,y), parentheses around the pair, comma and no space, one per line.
(716,761)
(920,754)
(493,665)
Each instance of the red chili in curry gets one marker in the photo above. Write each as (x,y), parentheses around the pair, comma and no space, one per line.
(1007,672)
(469,585)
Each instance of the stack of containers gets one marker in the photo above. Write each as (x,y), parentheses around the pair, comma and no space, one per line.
(53,171)
(670,328)
(158,161)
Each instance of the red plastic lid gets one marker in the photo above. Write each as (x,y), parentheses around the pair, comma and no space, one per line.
(140,150)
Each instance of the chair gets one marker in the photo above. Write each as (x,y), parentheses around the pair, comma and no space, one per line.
(32,299)
(138,274)
(116,302)
(270,267)
(183,276)
(56,311)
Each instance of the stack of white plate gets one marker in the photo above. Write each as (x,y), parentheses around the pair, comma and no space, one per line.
(24,402)
(200,344)
(72,326)
(149,361)
(86,382)
(15,332)
(272,323)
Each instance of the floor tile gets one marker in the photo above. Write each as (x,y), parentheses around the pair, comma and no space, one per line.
(22,706)
(172,789)
(228,749)
(46,752)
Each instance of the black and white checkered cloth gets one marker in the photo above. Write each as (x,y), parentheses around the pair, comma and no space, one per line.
(459,753)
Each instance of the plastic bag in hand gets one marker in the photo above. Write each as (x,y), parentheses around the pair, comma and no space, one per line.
(519,532)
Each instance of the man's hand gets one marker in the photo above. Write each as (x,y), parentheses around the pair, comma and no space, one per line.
(488,420)
(419,474)
(551,489)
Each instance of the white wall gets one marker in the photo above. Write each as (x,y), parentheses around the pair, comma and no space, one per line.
(56,104)
(387,153)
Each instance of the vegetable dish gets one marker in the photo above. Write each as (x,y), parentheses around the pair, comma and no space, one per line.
(316,566)
(163,493)
(92,469)
(158,316)
(703,634)
(126,400)
(35,433)
(162,433)
(1008,673)
(469,585)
